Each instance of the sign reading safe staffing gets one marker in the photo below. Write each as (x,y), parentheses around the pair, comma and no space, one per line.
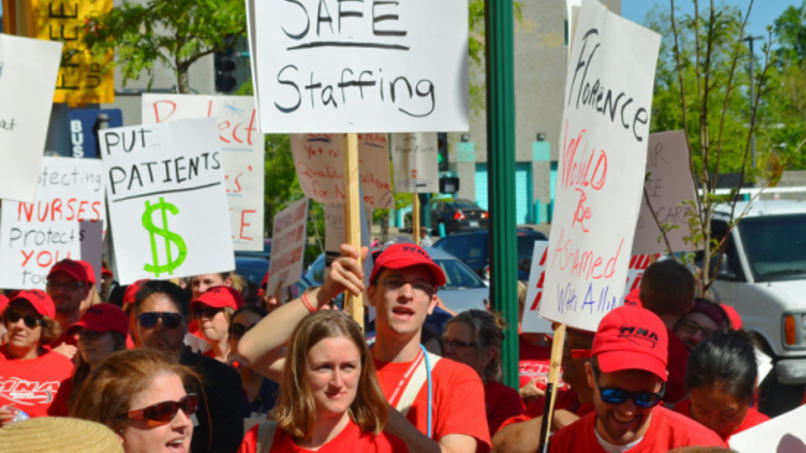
(334,66)
(600,179)
(167,202)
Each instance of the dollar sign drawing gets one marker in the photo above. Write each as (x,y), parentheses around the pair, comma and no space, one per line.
(170,237)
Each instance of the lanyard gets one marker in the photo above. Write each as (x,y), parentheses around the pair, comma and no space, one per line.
(393,400)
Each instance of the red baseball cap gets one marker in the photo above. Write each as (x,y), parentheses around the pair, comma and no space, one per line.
(90,271)
(399,256)
(733,316)
(219,297)
(73,268)
(131,291)
(630,338)
(38,299)
(3,302)
(106,272)
(104,317)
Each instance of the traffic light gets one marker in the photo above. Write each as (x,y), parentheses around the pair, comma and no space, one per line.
(225,66)
(442,151)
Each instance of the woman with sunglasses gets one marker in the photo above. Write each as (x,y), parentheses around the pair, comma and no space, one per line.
(260,392)
(140,394)
(30,374)
(474,338)
(330,400)
(721,378)
(213,311)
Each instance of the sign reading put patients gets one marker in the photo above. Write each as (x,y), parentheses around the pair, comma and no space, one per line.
(167,202)
(600,179)
(336,66)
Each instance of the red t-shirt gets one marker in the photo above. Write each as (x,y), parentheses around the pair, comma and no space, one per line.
(32,385)
(533,361)
(753,417)
(61,402)
(349,439)
(502,402)
(458,401)
(667,430)
(678,358)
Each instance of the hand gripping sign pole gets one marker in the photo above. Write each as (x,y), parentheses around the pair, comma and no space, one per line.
(354,305)
(551,395)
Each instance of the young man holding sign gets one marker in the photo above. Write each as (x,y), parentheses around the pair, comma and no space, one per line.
(448,418)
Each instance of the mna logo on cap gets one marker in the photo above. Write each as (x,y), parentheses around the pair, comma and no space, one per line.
(639,336)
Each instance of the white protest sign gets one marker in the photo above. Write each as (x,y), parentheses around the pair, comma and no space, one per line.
(668,184)
(335,236)
(600,179)
(167,201)
(288,241)
(336,66)
(414,158)
(28,69)
(319,160)
(785,433)
(242,153)
(34,236)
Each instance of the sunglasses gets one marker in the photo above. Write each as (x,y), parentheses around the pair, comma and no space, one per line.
(205,311)
(164,412)
(30,321)
(170,320)
(617,396)
(236,330)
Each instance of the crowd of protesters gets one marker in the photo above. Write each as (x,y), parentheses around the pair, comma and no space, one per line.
(211,365)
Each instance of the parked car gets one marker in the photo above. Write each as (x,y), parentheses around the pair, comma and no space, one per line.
(472,247)
(455,214)
(253,265)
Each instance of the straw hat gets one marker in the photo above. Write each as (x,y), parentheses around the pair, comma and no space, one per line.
(58,435)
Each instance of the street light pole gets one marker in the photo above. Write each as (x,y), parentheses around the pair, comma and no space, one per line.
(750,40)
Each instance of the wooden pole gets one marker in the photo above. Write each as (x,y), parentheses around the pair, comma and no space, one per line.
(551,387)
(10,17)
(354,305)
(415,218)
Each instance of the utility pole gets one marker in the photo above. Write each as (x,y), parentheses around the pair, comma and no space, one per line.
(750,40)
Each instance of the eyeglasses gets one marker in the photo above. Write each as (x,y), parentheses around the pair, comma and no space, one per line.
(170,320)
(456,344)
(205,311)
(164,412)
(236,330)
(690,327)
(90,335)
(70,286)
(30,321)
(617,396)
(419,286)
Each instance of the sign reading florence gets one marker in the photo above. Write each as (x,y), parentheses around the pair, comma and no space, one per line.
(167,201)
(605,128)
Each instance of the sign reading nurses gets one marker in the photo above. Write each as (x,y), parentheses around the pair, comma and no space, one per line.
(319,161)
(34,236)
(28,69)
(600,177)
(414,157)
(288,246)
(167,202)
(242,153)
(380,66)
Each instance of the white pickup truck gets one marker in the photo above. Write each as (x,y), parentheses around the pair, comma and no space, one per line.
(763,276)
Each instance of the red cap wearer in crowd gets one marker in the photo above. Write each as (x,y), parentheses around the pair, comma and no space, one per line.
(89,270)
(630,338)
(131,291)
(73,268)
(633,298)
(3,302)
(399,256)
(219,297)
(38,299)
(106,272)
(103,317)
(733,316)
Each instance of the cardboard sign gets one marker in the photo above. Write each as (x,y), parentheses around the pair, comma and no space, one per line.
(668,185)
(81,78)
(242,154)
(600,177)
(28,70)
(319,160)
(167,202)
(414,157)
(34,236)
(335,66)
(288,246)
(784,433)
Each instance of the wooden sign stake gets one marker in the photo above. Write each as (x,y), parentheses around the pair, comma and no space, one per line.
(354,305)
(415,218)
(551,387)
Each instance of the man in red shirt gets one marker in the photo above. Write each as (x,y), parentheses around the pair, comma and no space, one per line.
(68,286)
(627,372)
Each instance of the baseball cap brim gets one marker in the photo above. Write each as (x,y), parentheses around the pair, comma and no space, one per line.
(401,263)
(614,361)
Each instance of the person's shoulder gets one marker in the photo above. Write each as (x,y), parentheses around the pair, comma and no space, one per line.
(500,391)
(563,439)
(208,367)
(54,359)
(685,430)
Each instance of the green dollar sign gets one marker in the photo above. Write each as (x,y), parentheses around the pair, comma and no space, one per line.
(171,264)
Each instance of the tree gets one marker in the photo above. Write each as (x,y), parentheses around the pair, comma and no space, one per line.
(176,33)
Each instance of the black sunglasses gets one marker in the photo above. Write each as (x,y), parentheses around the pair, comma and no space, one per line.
(205,311)
(616,396)
(30,321)
(170,320)
(236,330)
(164,412)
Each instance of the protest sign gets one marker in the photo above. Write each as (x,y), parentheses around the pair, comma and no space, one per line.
(333,66)
(28,70)
(784,433)
(668,185)
(600,179)
(167,202)
(288,241)
(319,160)
(242,153)
(34,236)
(414,158)
(82,77)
